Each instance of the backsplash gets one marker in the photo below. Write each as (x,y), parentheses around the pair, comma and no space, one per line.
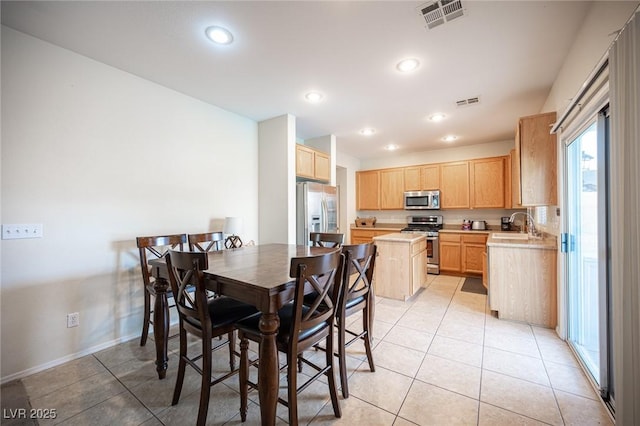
(449,217)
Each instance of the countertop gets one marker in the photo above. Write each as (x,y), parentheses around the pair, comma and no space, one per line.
(399,237)
(382,227)
(548,242)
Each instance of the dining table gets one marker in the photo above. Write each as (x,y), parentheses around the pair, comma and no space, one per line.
(257,275)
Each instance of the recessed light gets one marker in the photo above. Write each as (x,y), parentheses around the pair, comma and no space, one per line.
(367,131)
(408,65)
(391,147)
(449,138)
(219,35)
(438,116)
(314,97)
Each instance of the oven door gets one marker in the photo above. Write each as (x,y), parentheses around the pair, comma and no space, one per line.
(433,256)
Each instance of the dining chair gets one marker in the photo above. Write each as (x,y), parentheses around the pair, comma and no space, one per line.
(301,327)
(154,247)
(326,239)
(357,295)
(204,318)
(205,242)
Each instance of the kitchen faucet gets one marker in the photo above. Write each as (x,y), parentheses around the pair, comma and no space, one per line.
(532,228)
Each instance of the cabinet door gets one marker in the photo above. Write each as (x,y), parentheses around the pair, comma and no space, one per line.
(472,258)
(487,183)
(412,179)
(538,156)
(322,166)
(515,176)
(368,190)
(430,177)
(454,185)
(304,162)
(419,268)
(508,200)
(450,257)
(361,236)
(392,189)
(485,272)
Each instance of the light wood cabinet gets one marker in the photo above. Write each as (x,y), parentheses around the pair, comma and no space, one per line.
(515,178)
(461,253)
(430,176)
(536,158)
(401,266)
(392,189)
(312,164)
(522,284)
(485,271)
(365,235)
(412,179)
(368,190)
(486,178)
(454,185)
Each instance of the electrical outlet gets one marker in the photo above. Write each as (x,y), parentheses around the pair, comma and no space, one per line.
(73,319)
(20,231)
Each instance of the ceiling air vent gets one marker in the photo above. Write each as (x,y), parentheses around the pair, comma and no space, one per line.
(469,101)
(439,12)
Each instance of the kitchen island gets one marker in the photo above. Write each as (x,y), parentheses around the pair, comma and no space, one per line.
(401,265)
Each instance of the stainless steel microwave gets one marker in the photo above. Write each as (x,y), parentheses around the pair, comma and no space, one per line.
(422,200)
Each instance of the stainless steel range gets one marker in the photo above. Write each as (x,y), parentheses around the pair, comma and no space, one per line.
(429,227)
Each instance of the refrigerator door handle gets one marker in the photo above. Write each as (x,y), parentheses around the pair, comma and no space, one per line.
(325,215)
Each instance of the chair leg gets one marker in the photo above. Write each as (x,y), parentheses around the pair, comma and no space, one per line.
(232,346)
(342,358)
(205,390)
(300,363)
(331,377)
(366,325)
(244,375)
(145,318)
(182,364)
(292,378)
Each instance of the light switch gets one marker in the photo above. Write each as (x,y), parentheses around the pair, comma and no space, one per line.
(20,231)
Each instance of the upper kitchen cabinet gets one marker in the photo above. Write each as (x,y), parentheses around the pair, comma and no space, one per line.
(368,190)
(392,189)
(312,164)
(486,178)
(454,185)
(422,178)
(536,158)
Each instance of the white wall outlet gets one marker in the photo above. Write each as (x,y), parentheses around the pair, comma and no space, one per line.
(73,319)
(20,231)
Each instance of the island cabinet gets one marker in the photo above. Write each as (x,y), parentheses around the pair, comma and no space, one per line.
(461,253)
(368,190)
(454,185)
(401,265)
(522,280)
(535,158)
(312,164)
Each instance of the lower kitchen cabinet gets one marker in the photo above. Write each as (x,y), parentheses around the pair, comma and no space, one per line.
(365,235)
(461,253)
(450,253)
(401,265)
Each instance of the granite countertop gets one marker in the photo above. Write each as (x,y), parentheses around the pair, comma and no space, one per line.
(548,242)
(399,237)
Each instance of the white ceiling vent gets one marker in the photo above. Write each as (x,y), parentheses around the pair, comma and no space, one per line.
(467,102)
(441,11)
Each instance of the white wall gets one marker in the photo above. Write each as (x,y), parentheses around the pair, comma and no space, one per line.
(99,156)
(346,179)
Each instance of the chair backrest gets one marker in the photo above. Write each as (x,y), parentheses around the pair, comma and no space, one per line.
(322,276)
(357,273)
(326,239)
(155,247)
(185,271)
(208,241)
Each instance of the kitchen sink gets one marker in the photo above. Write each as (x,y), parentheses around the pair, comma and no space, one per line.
(510,236)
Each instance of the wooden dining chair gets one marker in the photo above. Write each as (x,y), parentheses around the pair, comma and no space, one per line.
(326,239)
(154,247)
(301,327)
(204,318)
(357,295)
(205,242)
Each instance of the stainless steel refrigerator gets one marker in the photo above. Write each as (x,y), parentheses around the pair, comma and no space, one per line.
(317,210)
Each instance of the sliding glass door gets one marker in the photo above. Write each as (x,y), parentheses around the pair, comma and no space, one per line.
(586,243)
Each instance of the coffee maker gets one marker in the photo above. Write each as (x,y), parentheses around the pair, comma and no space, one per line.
(505,225)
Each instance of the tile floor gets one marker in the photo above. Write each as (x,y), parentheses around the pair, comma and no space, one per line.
(441,359)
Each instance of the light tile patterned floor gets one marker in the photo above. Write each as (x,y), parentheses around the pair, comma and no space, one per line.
(441,359)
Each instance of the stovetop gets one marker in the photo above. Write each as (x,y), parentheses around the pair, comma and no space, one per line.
(428,225)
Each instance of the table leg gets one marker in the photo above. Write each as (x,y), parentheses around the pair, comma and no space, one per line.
(268,377)
(161,325)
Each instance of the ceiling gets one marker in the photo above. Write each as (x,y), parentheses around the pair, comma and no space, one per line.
(508,53)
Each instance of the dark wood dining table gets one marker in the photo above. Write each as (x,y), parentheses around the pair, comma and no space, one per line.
(258,275)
